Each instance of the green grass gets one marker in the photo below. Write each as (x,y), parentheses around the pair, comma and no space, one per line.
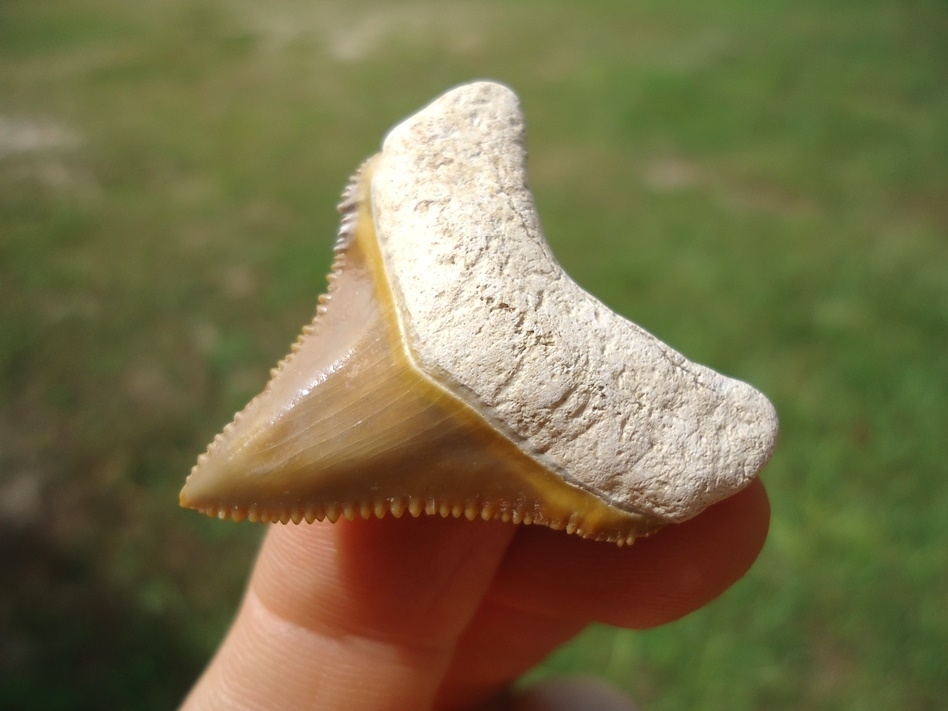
(763,185)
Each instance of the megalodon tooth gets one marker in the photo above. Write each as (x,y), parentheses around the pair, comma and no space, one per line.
(454,368)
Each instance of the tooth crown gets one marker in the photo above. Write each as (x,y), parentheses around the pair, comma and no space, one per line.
(488,311)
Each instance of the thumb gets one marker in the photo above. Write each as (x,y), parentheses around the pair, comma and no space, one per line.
(361,614)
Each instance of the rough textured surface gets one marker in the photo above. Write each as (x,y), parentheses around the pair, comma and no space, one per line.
(489,313)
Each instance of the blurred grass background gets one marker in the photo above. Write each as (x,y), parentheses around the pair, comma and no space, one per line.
(764,185)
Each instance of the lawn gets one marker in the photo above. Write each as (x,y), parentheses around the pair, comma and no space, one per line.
(763,185)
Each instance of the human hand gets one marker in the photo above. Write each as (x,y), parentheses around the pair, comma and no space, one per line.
(431,613)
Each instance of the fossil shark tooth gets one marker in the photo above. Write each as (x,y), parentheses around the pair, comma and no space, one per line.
(454,368)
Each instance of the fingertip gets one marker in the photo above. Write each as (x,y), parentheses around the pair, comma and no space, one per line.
(696,561)
(654,581)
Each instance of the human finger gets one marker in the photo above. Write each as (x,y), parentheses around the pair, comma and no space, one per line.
(653,581)
(550,586)
(353,615)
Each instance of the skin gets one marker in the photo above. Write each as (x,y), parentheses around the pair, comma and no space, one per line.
(435,613)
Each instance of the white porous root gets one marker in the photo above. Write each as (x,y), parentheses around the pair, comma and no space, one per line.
(489,313)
